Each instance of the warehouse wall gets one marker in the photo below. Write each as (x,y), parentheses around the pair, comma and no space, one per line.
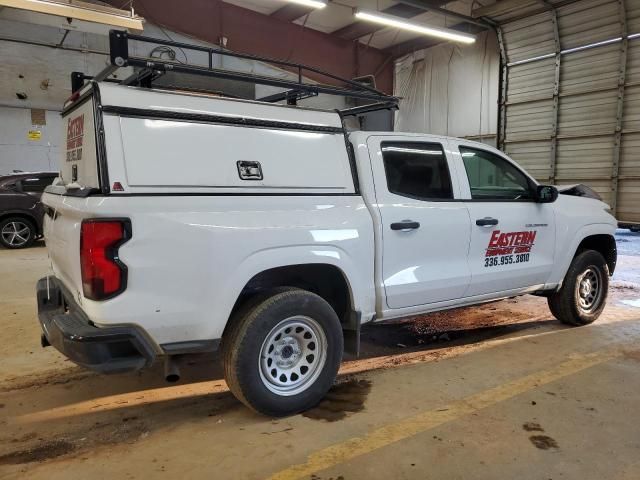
(25,146)
(450,90)
(572,109)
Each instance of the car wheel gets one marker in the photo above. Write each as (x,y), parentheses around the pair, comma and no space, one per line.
(17,232)
(282,352)
(584,290)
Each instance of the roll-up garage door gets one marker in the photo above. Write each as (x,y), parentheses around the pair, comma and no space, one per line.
(571,94)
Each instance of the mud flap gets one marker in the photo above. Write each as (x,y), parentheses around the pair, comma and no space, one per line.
(351,334)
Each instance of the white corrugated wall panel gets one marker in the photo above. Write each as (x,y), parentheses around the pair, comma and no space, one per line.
(629,174)
(529,121)
(629,200)
(588,113)
(588,21)
(633,15)
(589,70)
(583,159)
(531,81)
(532,156)
(518,37)
(633,60)
(631,111)
(630,155)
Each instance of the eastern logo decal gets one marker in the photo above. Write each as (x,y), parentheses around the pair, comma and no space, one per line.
(75,135)
(506,248)
(510,242)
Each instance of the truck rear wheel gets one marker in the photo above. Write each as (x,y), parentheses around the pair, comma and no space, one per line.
(282,352)
(583,295)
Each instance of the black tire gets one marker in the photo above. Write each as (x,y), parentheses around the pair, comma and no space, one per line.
(251,329)
(566,304)
(25,227)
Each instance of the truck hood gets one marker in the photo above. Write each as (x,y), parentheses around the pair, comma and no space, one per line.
(578,190)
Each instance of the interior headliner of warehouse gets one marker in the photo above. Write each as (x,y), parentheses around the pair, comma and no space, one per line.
(261,219)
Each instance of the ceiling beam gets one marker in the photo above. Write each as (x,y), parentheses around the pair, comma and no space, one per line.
(420,43)
(432,6)
(291,12)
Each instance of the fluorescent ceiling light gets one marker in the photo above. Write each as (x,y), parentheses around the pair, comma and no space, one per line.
(311,3)
(396,22)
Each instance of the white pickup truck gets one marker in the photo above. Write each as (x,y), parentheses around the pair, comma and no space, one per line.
(185,223)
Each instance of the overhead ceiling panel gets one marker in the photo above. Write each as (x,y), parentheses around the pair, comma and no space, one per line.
(266,7)
(509,10)
(70,15)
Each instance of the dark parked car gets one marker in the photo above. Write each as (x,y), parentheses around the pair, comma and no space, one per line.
(21,212)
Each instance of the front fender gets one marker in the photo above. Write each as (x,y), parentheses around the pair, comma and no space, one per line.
(567,250)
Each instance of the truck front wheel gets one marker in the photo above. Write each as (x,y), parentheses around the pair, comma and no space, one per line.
(584,290)
(282,352)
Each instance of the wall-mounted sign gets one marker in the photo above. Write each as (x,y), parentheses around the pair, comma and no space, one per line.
(34,135)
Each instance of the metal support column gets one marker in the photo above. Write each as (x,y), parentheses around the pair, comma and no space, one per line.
(622,77)
(553,153)
(502,94)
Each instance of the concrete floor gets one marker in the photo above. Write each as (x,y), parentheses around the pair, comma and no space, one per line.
(497,391)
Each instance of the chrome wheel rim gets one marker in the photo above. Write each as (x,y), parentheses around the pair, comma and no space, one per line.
(589,289)
(16,233)
(292,355)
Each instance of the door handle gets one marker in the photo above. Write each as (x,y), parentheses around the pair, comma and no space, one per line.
(405,225)
(486,222)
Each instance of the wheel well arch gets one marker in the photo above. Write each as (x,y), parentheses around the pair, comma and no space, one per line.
(325,280)
(23,215)
(604,244)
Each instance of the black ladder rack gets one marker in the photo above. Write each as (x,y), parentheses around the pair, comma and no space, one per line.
(149,69)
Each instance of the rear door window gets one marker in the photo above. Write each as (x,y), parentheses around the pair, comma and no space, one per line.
(417,170)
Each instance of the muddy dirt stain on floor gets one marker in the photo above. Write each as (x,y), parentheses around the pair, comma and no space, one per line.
(44,451)
(543,442)
(342,399)
(532,427)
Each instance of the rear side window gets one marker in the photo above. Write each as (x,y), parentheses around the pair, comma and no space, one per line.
(491,177)
(36,184)
(417,170)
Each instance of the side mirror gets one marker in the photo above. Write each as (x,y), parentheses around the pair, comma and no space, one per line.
(546,194)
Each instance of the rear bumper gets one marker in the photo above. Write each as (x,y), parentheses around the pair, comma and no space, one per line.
(115,349)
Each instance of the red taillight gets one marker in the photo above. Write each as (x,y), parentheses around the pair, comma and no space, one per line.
(103,274)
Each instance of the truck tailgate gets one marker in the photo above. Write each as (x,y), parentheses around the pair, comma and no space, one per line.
(62,224)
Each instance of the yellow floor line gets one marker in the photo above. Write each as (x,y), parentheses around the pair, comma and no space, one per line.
(388,434)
